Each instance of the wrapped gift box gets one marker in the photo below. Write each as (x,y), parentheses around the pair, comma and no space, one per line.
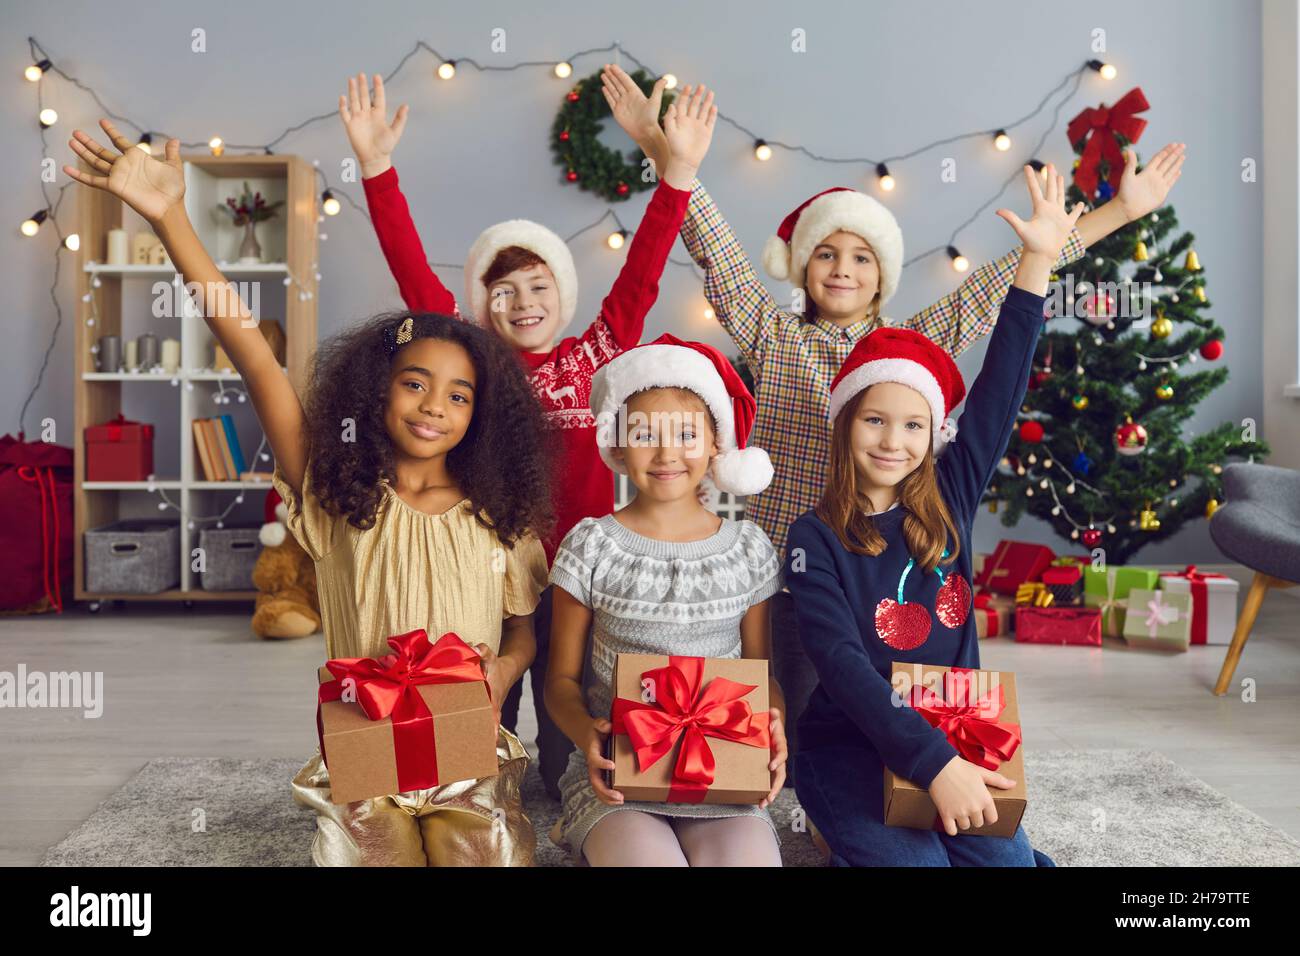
(979,713)
(994,614)
(1065,582)
(1012,564)
(120,450)
(1158,619)
(1034,594)
(419,717)
(1108,588)
(1214,603)
(1058,625)
(660,757)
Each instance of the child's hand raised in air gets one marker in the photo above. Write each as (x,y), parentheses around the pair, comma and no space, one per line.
(373,138)
(688,124)
(1144,192)
(147,184)
(636,113)
(1049,229)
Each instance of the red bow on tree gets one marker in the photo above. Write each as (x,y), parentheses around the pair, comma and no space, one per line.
(680,709)
(1102,125)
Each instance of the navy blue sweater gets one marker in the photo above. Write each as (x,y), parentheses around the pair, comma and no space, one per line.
(836,592)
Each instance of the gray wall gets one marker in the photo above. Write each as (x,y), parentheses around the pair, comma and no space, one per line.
(878,79)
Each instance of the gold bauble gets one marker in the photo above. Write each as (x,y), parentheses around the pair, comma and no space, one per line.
(1140,254)
(1080,402)
(1161,327)
(1211,507)
(1164,391)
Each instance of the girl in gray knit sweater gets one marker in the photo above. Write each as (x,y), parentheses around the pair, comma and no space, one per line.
(662,576)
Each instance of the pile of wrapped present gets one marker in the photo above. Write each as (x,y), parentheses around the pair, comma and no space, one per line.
(1027,592)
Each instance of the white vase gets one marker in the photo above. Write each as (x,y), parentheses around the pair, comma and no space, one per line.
(250,252)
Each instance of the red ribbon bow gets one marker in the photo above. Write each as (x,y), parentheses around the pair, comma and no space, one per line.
(1101,125)
(1200,599)
(970,726)
(679,709)
(387,687)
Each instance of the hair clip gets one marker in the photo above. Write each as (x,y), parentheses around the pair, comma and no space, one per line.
(394,339)
(404,331)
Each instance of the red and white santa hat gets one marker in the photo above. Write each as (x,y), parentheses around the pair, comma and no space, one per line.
(786,255)
(537,239)
(669,362)
(909,358)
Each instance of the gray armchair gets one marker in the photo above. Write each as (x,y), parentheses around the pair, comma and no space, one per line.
(1258,526)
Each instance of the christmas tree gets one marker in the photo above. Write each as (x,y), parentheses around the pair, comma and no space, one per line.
(1099,451)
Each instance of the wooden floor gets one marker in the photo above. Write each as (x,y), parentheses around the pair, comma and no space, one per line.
(197,683)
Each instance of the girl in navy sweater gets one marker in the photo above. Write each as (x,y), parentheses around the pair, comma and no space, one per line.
(879,570)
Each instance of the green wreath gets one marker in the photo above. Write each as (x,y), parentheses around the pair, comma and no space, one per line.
(586,160)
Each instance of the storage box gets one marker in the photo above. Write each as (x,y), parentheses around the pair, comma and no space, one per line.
(661,758)
(229,554)
(120,450)
(957,697)
(133,557)
(439,728)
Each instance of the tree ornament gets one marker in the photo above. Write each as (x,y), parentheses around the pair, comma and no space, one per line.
(1164,391)
(1081,464)
(1192,263)
(1161,327)
(1099,308)
(1091,537)
(1212,349)
(1147,521)
(1211,507)
(571,175)
(564,136)
(1031,432)
(1130,438)
(1080,402)
(1200,293)
(1140,253)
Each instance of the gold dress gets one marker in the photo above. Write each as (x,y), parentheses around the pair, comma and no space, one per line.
(442,573)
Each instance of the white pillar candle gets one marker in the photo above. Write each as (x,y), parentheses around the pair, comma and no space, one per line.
(131,353)
(117,247)
(171,355)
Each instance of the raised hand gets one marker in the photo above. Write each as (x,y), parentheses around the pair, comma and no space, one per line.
(372,136)
(636,113)
(688,124)
(1049,228)
(147,184)
(1141,193)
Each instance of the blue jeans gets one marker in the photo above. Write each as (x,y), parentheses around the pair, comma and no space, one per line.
(842,791)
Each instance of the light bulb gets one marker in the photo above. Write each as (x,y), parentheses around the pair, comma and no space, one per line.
(883,177)
(32,226)
(762,152)
(329,203)
(959,262)
(216,145)
(670,81)
(48,117)
(446,70)
(36,70)
(563,70)
(1001,140)
(617,238)
(72,241)
(145,144)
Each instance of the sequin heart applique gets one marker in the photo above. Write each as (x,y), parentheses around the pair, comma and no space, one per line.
(952,603)
(902,626)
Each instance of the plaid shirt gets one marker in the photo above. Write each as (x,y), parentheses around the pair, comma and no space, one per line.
(794,361)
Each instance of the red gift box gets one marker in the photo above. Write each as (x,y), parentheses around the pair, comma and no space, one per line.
(993,614)
(1058,625)
(1013,564)
(1065,582)
(119,450)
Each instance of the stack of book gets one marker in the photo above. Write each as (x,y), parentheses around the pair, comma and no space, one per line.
(217,445)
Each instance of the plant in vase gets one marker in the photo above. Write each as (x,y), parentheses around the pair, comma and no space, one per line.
(248,210)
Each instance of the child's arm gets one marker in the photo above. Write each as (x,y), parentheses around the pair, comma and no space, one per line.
(995,397)
(906,742)
(966,315)
(690,122)
(373,140)
(156,189)
(742,304)
(570,622)
(756,644)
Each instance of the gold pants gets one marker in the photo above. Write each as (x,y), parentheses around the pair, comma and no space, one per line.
(470,823)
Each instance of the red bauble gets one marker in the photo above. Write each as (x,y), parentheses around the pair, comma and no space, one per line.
(1031,432)
(573,96)
(902,626)
(1091,537)
(1212,349)
(1098,309)
(571,176)
(564,136)
(1130,439)
(952,603)
(621,189)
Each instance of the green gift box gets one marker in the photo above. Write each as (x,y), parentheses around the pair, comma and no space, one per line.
(1159,619)
(1108,588)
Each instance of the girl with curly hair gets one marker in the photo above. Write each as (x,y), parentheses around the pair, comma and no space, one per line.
(393,483)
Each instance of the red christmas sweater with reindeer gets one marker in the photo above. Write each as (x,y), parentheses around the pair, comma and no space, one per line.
(858,614)
(583,486)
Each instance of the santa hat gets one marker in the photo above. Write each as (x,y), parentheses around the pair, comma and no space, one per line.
(537,239)
(276,518)
(786,255)
(668,362)
(909,358)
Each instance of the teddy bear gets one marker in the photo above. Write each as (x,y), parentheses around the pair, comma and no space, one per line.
(285,578)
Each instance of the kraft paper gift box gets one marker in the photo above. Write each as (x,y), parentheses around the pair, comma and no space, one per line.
(994,614)
(719,757)
(1158,619)
(1058,625)
(982,720)
(420,717)
(1108,589)
(1012,564)
(1214,603)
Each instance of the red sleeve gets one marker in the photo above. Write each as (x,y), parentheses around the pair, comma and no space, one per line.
(637,286)
(420,288)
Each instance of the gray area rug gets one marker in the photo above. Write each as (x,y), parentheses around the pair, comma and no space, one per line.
(1086,808)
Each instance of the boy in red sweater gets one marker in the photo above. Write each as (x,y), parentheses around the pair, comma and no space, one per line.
(521,283)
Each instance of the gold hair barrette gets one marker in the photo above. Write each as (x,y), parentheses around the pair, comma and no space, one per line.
(404,331)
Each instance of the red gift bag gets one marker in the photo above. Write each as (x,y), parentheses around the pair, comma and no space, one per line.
(36,556)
